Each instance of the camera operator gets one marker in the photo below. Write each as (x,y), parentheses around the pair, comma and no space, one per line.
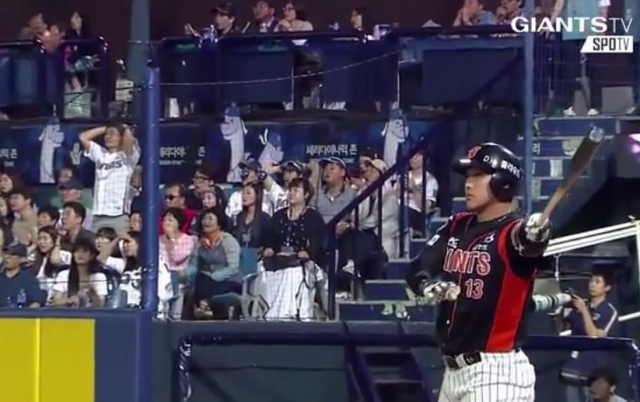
(595,317)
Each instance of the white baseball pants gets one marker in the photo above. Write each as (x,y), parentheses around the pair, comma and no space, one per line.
(498,377)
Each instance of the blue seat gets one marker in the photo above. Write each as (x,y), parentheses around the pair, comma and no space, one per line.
(243,301)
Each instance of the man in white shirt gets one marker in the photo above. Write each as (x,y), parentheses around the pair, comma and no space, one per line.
(251,172)
(115,163)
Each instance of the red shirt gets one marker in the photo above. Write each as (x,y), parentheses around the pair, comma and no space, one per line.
(191,214)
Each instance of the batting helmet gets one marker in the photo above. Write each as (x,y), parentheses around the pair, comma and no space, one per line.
(500,163)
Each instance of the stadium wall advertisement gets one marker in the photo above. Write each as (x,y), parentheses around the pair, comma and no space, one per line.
(121,355)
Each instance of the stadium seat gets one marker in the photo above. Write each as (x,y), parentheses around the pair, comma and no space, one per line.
(246,301)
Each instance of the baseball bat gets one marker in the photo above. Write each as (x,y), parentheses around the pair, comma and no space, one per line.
(581,159)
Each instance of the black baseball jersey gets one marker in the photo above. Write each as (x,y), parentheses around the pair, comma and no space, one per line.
(495,283)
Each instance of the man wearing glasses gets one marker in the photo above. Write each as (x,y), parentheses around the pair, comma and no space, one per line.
(175,197)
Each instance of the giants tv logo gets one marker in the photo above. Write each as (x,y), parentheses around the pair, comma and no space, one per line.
(596,28)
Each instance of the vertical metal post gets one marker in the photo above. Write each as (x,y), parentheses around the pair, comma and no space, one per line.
(151,194)
(528,107)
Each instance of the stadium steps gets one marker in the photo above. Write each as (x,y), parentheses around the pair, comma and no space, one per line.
(389,299)
(389,374)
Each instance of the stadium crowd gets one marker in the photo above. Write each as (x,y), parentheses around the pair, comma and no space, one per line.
(82,249)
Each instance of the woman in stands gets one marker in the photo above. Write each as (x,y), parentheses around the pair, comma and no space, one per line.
(48,259)
(252,227)
(108,245)
(129,291)
(84,284)
(298,229)
(214,268)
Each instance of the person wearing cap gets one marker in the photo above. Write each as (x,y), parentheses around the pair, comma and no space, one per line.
(602,386)
(224,19)
(332,190)
(264,18)
(378,216)
(65,175)
(290,170)
(18,287)
(71,191)
(253,172)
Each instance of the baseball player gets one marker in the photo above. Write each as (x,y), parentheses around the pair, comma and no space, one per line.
(480,266)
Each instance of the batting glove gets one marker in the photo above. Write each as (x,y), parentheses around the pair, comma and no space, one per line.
(436,291)
(535,230)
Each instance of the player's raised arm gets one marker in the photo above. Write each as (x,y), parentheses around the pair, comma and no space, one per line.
(527,243)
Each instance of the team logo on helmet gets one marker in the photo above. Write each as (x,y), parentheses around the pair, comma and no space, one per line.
(473,152)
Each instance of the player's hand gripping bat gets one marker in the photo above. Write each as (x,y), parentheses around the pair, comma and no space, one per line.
(581,159)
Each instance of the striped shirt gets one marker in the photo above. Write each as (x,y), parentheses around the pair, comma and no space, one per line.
(113,173)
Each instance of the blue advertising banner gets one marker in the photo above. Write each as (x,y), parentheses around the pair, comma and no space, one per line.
(37,151)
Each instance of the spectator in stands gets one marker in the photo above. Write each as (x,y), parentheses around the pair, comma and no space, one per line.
(135,222)
(378,216)
(80,57)
(25,225)
(294,20)
(570,67)
(71,191)
(508,10)
(290,170)
(214,268)
(109,245)
(473,13)
(6,220)
(209,201)
(66,175)
(35,28)
(419,198)
(602,386)
(48,216)
(299,230)
(175,197)
(84,284)
(335,193)
(252,227)
(18,287)
(7,183)
(362,21)
(132,277)
(135,190)
(203,184)
(47,259)
(264,18)
(224,19)
(595,317)
(73,215)
(253,172)
(175,246)
(114,163)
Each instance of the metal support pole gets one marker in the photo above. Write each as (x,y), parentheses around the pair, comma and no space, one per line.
(151,194)
(528,107)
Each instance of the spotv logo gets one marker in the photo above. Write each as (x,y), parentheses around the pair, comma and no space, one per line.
(596,28)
